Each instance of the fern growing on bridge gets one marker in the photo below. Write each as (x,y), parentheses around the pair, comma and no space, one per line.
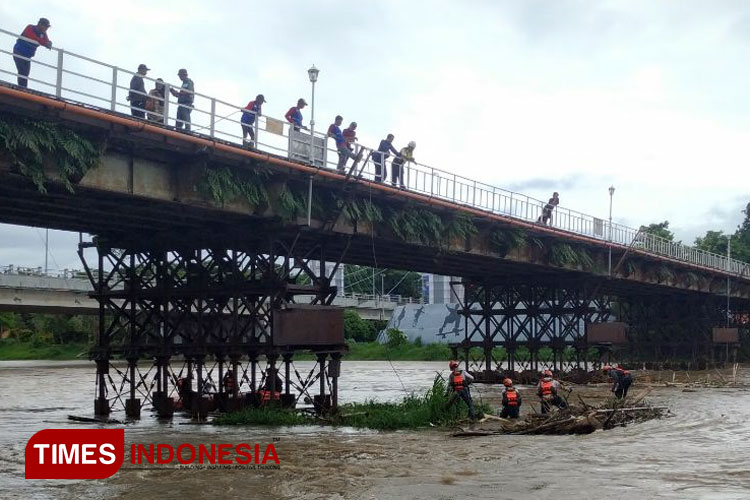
(30,145)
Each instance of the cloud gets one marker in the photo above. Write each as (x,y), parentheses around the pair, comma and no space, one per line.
(531,96)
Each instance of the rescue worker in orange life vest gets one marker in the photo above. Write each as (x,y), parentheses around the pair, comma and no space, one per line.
(458,382)
(622,380)
(229,382)
(547,390)
(511,400)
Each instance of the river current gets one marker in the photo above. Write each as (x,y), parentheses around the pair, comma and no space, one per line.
(702,452)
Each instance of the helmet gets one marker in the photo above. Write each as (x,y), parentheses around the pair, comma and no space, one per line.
(547,373)
(606,368)
(412,144)
(453,364)
(507,382)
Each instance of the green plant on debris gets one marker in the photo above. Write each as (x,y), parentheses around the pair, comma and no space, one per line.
(29,144)
(436,407)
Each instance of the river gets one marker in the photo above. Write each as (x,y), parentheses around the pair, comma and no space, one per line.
(700,453)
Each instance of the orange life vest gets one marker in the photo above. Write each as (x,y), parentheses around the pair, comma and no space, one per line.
(548,388)
(265,396)
(511,395)
(458,381)
(622,370)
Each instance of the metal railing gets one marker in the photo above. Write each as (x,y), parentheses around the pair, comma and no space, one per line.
(13,270)
(77,78)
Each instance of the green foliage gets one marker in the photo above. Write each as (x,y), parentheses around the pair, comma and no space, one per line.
(358,279)
(290,203)
(395,338)
(565,255)
(358,329)
(417,224)
(660,229)
(436,407)
(15,349)
(460,226)
(362,210)
(30,144)
(371,351)
(713,241)
(225,184)
(271,416)
(418,342)
(505,240)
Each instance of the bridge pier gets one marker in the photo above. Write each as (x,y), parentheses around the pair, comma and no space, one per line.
(203,304)
(516,326)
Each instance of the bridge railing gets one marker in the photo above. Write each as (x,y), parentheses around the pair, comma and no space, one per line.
(77,78)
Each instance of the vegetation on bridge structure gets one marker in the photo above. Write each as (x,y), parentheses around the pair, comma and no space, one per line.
(33,145)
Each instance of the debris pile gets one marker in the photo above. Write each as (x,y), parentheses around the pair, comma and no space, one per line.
(576,419)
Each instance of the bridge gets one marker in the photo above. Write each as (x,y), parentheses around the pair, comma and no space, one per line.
(67,292)
(206,248)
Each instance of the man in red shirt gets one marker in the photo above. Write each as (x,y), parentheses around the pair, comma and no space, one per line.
(25,48)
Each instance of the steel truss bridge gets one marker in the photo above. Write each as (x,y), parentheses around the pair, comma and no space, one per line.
(190,285)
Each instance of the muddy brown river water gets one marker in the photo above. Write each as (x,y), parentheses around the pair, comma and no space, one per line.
(702,452)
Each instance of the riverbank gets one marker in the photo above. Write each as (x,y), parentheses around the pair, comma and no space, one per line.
(11,350)
(358,351)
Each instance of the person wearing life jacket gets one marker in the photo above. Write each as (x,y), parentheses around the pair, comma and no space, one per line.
(229,382)
(547,390)
(622,380)
(458,383)
(266,395)
(511,400)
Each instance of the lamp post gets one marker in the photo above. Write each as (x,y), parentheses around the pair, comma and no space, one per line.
(611,193)
(313,74)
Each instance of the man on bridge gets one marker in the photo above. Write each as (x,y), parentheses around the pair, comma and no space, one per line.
(25,48)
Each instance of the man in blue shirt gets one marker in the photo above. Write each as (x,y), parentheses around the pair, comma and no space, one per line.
(294,116)
(251,111)
(25,48)
(342,146)
(381,155)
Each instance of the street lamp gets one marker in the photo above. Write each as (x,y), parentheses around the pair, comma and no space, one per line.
(313,74)
(611,193)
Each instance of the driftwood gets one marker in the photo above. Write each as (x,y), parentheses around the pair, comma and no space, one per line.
(89,420)
(572,420)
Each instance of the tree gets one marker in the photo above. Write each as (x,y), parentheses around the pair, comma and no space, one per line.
(660,229)
(358,279)
(716,241)
(713,241)
(356,328)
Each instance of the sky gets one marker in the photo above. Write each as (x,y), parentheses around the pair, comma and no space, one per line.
(532,96)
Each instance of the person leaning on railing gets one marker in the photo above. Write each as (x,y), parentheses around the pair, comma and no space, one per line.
(185,97)
(546,216)
(249,114)
(24,50)
(294,116)
(397,165)
(155,102)
(342,146)
(379,157)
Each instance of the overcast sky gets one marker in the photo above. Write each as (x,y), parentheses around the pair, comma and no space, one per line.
(574,96)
